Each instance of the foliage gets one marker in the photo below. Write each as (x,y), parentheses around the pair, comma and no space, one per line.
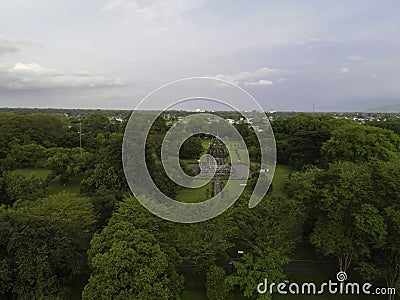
(358,143)
(72,213)
(345,217)
(128,263)
(254,268)
(66,162)
(41,248)
(191,149)
(25,156)
(41,129)
(384,261)
(217,288)
(19,187)
(299,138)
(267,234)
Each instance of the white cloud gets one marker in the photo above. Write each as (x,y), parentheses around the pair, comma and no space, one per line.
(345,70)
(261,82)
(35,76)
(249,77)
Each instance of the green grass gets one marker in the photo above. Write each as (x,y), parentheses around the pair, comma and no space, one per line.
(72,186)
(206,145)
(42,172)
(55,187)
(195,195)
(280,179)
(204,193)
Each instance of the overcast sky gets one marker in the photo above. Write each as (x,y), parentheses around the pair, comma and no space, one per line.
(337,55)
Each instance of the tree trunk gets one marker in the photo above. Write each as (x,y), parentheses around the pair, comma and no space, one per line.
(344,264)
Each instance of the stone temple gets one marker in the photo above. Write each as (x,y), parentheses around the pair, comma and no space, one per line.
(217,163)
(220,153)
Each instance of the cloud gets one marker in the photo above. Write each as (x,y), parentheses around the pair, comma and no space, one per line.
(256,77)
(345,70)
(261,82)
(7,47)
(34,76)
(153,12)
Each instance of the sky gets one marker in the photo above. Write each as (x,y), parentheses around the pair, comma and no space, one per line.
(339,55)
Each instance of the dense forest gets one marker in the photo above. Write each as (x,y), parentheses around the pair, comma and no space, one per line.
(70,227)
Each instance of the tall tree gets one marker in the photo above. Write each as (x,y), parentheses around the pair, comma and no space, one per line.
(299,138)
(128,263)
(359,143)
(66,162)
(43,245)
(346,217)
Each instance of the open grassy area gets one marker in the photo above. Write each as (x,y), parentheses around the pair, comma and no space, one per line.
(42,172)
(55,187)
(206,145)
(280,179)
(195,195)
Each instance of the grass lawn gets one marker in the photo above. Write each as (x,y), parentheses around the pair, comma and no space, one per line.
(42,172)
(206,145)
(72,186)
(280,179)
(195,195)
(55,187)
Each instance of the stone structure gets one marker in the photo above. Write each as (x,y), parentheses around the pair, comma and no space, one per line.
(219,152)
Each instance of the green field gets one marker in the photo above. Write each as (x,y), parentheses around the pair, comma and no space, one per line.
(195,195)
(206,145)
(55,187)
(280,180)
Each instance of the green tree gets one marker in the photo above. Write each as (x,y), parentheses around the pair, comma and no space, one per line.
(73,214)
(254,268)
(359,143)
(299,138)
(41,247)
(346,217)
(267,234)
(217,288)
(20,187)
(384,261)
(66,162)
(128,263)
(30,155)
(191,149)
(43,129)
